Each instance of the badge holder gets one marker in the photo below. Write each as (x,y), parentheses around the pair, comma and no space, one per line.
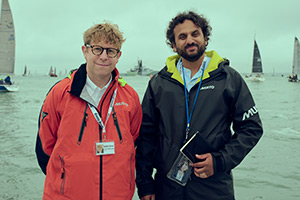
(104,148)
(181,170)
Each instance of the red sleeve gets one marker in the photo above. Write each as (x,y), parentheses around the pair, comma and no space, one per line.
(136,118)
(49,121)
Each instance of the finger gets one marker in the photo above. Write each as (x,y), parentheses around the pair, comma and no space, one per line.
(199,170)
(202,156)
(198,165)
(201,175)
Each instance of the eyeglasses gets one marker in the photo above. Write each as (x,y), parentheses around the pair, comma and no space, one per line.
(98,50)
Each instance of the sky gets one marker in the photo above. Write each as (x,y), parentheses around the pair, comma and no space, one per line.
(50,32)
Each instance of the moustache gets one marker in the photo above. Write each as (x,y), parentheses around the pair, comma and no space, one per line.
(191,45)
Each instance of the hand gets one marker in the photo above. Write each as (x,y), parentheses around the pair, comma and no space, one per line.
(204,169)
(148,197)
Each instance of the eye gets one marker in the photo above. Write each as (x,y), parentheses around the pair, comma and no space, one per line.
(97,49)
(195,33)
(111,51)
(182,37)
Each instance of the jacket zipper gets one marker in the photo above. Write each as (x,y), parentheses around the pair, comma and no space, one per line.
(117,125)
(63,175)
(100,137)
(83,125)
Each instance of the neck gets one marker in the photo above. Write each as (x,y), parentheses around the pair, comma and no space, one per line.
(193,66)
(100,81)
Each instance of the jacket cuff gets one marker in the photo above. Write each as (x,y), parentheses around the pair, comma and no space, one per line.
(146,189)
(219,165)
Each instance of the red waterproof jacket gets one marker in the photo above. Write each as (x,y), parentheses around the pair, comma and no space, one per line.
(67,135)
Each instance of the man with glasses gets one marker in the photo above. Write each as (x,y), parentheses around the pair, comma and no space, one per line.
(88,124)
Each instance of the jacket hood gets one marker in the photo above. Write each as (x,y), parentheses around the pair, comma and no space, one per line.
(216,59)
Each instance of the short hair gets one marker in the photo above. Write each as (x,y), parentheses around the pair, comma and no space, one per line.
(198,20)
(110,33)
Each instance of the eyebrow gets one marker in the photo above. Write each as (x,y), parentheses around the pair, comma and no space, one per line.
(185,34)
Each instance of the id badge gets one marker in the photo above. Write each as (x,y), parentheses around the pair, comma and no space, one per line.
(105,148)
(181,170)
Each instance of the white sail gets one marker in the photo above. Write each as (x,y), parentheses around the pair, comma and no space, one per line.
(7,40)
(296,58)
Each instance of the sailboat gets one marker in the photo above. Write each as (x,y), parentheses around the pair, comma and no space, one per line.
(7,48)
(25,71)
(296,62)
(52,72)
(256,72)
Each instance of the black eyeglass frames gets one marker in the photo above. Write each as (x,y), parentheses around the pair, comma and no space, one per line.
(98,50)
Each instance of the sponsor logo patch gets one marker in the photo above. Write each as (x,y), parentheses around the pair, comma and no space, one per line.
(209,87)
(121,104)
(252,111)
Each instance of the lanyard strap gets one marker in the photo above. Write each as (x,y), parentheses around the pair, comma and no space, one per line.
(189,116)
(97,116)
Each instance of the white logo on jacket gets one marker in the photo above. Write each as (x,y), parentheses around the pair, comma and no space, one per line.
(209,87)
(121,104)
(252,111)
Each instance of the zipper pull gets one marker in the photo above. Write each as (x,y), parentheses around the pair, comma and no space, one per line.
(62,168)
(62,173)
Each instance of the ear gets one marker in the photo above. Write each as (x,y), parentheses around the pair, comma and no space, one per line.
(206,43)
(174,47)
(119,55)
(84,50)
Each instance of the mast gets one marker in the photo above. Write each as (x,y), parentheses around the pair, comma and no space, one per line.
(7,39)
(140,67)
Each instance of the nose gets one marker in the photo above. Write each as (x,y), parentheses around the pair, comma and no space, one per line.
(189,39)
(103,55)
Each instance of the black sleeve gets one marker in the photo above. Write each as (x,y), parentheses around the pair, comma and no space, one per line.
(42,157)
(146,145)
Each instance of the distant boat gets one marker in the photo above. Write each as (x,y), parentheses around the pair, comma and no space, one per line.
(25,71)
(296,62)
(141,70)
(256,71)
(52,72)
(7,48)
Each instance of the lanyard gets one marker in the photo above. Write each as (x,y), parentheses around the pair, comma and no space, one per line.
(97,116)
(189,116)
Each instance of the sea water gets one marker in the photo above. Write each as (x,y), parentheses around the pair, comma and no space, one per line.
(271,171)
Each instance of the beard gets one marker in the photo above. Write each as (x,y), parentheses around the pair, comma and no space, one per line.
(192,57)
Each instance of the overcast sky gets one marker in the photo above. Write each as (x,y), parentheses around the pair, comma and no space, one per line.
(49,32)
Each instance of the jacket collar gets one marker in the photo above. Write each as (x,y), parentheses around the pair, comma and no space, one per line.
(78,78)
(212,66)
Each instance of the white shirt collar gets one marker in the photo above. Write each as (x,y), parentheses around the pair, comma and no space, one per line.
(187,72)
(92,93)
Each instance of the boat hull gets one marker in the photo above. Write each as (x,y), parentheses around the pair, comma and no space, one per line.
(8,88)
(294,80)
(255,79)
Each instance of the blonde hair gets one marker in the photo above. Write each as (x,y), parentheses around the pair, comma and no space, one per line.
(106,32)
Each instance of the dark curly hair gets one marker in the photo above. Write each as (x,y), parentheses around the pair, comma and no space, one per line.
(199,20)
